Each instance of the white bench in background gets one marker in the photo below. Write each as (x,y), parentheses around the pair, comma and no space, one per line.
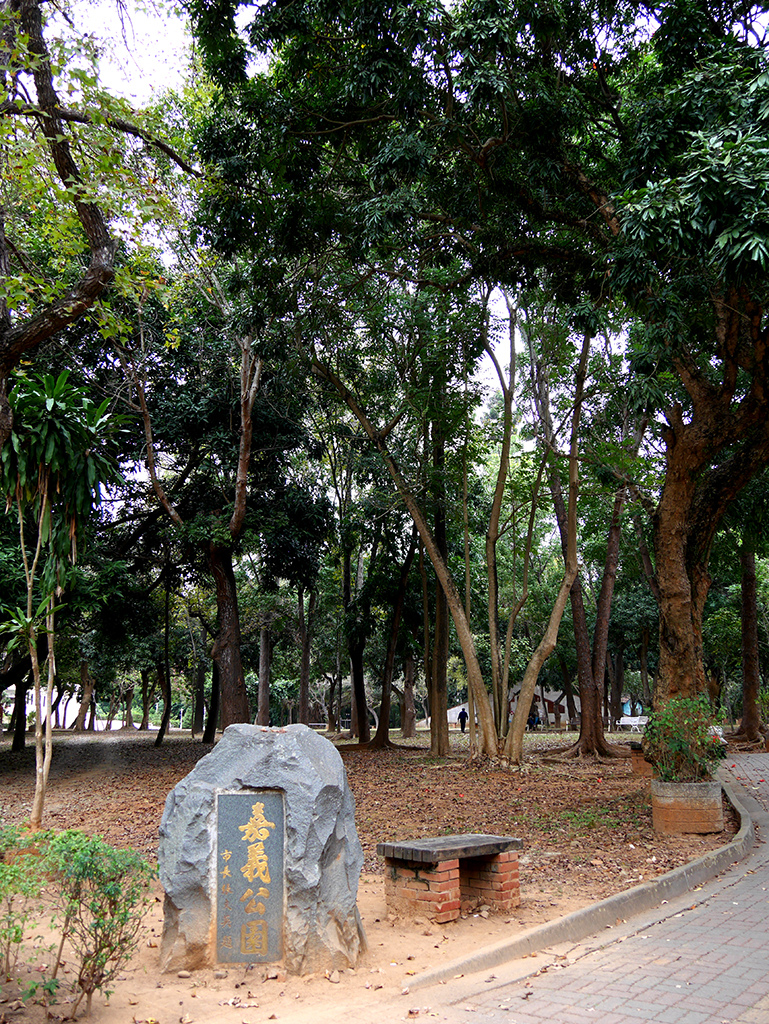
(635,723)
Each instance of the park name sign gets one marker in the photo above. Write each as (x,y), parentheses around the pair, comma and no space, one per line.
(259,856)
(249,887)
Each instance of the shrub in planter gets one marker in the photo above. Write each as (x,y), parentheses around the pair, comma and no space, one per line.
(679,741)
(685,751)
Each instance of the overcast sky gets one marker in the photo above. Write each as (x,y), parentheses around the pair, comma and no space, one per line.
(144,53)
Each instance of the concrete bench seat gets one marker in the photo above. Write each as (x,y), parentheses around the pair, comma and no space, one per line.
(441,876)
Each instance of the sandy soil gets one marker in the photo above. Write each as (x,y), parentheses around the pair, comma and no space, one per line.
(586,830)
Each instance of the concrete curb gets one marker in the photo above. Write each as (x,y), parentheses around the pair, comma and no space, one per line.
(589,920)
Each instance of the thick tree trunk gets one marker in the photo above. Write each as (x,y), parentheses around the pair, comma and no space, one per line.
(750,726)
(682,587)
(226,651)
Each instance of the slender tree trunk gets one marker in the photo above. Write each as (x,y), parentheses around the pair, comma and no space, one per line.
(646,694)
(603,610)
(129,711)
(87,687)
(148,692)
(464,632)
(305,635)
(750,726)
(409,716)
(200,687)
(439,722)
(164,685)
(164,666)
(212,722)
(226,651)
(591,737)
(333,725)
(382,737)
(43,731)
(617,686)
(265,665)
(20,713)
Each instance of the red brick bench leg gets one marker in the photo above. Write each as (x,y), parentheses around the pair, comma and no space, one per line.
(431,890)
(492,880)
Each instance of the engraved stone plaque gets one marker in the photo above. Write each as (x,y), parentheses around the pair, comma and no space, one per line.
(249,876)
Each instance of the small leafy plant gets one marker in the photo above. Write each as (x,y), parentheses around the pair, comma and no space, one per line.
(102,896)
(20,891)
(680,742)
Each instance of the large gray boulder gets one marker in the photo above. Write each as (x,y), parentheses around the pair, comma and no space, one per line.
(323,856)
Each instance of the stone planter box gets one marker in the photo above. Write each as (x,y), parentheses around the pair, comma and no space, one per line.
(687,806)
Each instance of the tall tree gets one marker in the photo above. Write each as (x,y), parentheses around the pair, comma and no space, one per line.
(64,182)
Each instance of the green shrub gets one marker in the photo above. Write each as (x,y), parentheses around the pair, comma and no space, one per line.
(679,742)
(21,883)
(102,896)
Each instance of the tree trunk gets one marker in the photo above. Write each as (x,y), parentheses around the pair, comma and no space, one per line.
(333,725)
(603,610)
(87,687)
(591,736)
(409,716)
(226,650)
(439,722)
(164,684)
(682,588)
(360,727)
(488,737)
(617,686)
(265,664)
(212,722)
(305,635)
(646,694)
(382,737)
(750,726)
(199,691)
(20,713)
(356,644)
(129,711)
(148,693)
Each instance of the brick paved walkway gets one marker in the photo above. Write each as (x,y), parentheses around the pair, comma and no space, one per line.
(702,959)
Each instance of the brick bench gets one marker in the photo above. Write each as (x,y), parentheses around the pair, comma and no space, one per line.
(439,877)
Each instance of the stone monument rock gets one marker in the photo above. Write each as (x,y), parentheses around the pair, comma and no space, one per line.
(259,856)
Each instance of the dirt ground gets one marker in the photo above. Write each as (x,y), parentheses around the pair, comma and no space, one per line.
(586,829)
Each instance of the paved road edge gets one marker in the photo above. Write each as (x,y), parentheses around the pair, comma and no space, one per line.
(589,920)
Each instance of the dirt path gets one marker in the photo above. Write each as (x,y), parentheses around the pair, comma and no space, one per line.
(586,830)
